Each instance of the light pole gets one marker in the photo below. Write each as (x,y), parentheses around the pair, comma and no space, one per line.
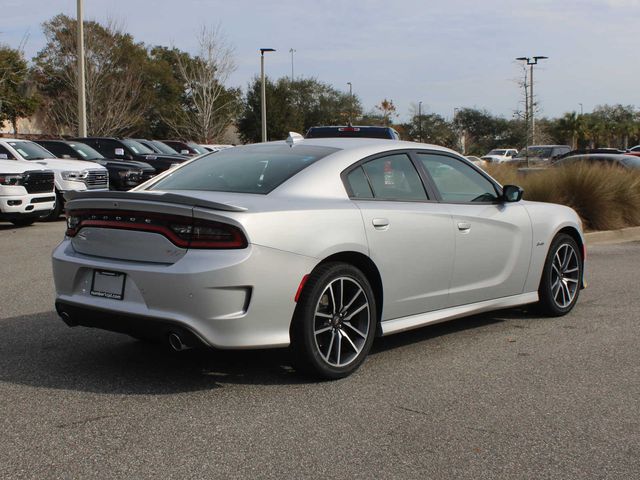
(82,105)
(350,101)
(264,93)
(580,109)
(531,62)
(420,121)
(292,51)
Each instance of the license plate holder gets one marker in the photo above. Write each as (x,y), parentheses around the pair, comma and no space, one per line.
(108,284)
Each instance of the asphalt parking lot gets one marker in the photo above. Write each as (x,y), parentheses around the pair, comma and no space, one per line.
(504,395)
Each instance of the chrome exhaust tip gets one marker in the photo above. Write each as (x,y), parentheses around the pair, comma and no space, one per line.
(176,343)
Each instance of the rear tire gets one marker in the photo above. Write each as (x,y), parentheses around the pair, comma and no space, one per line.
(23,222)
(561,278)
(334,323)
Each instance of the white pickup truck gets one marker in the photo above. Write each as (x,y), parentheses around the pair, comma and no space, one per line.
(500,155)
(26,191)
(70,175)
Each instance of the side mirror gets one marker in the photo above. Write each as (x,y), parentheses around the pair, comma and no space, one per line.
(512,193)
(119,152)
(184,152)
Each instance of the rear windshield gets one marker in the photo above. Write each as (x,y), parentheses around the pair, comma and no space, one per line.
(250,169)
(359,132)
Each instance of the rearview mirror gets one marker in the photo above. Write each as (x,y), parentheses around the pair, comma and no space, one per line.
(119,152)
(512,193)
(4,156)
(184,152)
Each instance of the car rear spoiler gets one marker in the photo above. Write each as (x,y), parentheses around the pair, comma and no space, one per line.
(164,197)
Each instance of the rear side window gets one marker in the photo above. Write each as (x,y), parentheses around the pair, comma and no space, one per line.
(359,184)
(394,177)
(251,169)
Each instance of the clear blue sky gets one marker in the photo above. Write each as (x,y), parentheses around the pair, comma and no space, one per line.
(447,54)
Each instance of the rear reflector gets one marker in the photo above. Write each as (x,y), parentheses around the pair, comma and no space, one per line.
(301,286)
(184,232)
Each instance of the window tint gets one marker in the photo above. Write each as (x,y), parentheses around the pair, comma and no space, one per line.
(359,184)
(457,181)
(394,178)
(251,169)
(7,153)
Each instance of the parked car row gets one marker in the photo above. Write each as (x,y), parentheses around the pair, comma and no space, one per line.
(79,164)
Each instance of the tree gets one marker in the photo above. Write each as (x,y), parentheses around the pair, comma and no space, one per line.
(114,63)
(293,106)
(433,128)
(209,107)
(387,110)
(17,97)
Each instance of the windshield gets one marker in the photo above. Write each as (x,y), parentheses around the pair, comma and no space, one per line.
(251,169)
(497,152)
(199,150)
(86,152)
(31,151)
(164,148)
(137,147)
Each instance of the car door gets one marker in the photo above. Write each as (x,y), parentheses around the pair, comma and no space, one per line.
(410,236)
(492,238)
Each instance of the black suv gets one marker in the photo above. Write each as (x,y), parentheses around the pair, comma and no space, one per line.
(353,131)
(126,149)
(122,175)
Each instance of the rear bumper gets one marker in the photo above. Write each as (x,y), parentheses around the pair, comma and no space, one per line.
(156,329)
(227,299)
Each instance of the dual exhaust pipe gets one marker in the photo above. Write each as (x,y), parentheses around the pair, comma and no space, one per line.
(179,339)
(177,342)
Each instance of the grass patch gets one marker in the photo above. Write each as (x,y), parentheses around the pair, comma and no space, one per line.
(605,197)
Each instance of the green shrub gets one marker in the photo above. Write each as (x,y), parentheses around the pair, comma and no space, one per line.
(605,197)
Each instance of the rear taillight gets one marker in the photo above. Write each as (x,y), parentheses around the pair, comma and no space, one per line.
(184,232)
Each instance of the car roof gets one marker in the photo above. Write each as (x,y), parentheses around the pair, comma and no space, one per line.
(366,143)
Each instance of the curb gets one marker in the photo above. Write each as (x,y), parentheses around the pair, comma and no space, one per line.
(630,234)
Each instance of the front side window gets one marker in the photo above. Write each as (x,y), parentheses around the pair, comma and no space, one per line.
(394,177)
(456,181)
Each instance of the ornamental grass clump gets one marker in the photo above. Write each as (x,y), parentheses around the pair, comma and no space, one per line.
(605,197)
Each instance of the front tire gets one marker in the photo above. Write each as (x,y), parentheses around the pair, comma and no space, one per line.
(561,278)
(57,209)
(334,323)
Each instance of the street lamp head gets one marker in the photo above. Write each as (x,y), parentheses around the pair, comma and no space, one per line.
(524,59)
(540,58)
(262,50)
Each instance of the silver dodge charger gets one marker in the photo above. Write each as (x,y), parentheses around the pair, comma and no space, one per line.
(315,244)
